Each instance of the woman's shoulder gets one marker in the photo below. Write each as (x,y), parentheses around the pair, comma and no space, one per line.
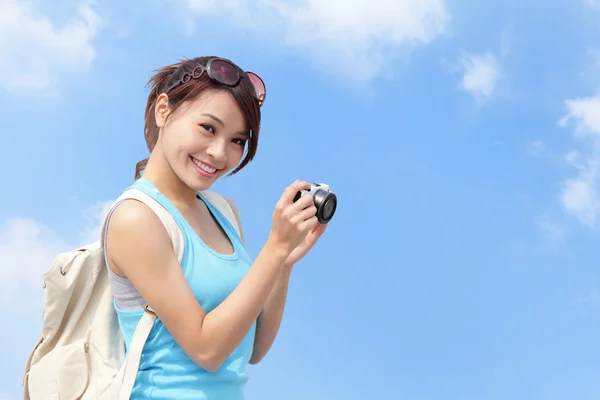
(136,233)
(132,220)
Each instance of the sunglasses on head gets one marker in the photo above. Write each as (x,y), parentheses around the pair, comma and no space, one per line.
(225,73)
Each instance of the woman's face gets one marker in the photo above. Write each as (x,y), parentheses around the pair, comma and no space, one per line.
(204,139)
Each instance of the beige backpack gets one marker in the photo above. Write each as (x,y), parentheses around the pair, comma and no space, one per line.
(81,354)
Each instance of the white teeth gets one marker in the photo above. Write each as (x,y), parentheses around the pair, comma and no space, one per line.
(204,167)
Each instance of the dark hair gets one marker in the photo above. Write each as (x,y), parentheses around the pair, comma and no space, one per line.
(189,91)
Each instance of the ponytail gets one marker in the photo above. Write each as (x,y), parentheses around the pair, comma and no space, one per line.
(139,167)
(156,83)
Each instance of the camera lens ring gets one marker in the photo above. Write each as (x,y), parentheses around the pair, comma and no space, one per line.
(326,203)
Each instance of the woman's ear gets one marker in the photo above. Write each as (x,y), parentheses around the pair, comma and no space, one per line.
(161,110)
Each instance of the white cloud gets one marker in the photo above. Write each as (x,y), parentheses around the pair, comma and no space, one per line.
(580,195)
(481,75)
(589,299)
(34,53)
(584,113)
(537,148)
(95,216)
(551,231)
(27,250)
(356,39)
(574,159)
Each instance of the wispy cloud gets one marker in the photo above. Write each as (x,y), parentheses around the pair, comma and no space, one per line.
(35,53)
(481,73)
(552,232)
(28,248)
(589,299)
(579,194)
(537,148)
(353,38)
(94,217)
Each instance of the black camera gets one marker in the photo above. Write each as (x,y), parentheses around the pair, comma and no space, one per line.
(325,200)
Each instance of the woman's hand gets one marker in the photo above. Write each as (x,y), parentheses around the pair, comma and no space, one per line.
(292,222)
(309,241)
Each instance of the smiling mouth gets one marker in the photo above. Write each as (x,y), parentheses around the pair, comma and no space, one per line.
(204,167)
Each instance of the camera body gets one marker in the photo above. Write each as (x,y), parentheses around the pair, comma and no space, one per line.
(325,200)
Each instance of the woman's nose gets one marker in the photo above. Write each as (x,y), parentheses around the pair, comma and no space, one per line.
(218,152)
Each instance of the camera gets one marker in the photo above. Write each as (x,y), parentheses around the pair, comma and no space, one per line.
(325,200)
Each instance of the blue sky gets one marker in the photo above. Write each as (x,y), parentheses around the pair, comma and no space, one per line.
(462,139)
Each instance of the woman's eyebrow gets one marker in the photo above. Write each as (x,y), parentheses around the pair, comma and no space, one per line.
(213,117)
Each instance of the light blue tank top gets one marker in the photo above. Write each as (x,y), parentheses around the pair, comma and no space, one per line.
(165,371)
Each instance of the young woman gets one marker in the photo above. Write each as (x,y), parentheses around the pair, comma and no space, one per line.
(217,310)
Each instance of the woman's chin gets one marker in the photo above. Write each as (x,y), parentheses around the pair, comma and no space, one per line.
(200,183)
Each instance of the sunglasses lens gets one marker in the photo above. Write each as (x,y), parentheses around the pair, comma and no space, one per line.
(259,86)
(224,72)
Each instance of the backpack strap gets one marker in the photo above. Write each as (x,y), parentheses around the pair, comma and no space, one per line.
(223,206)
(132,361)
(140,335)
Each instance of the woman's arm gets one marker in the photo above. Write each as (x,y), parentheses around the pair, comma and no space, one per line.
(139,247)
(269,320)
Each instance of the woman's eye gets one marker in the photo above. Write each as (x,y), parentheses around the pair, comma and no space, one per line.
(208,128)
(241,142)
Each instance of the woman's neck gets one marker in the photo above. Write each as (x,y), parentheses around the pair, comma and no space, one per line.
(162,176)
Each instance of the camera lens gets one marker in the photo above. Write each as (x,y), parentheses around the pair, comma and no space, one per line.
(326,203)
(329,208)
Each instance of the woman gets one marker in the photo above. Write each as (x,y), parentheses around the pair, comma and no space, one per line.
(216,310)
